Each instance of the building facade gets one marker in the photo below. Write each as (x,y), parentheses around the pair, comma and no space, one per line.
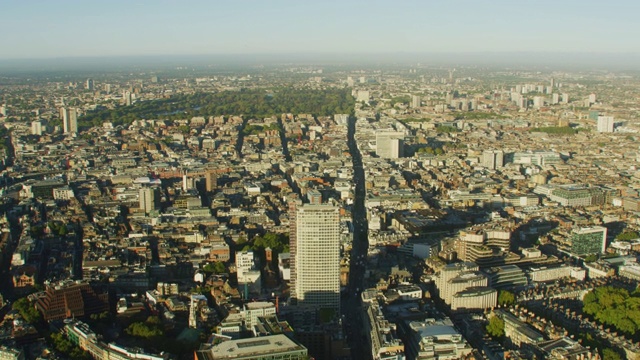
(586,241)
(317,256)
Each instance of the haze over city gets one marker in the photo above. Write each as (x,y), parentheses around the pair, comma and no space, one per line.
(340,180)
(54,29)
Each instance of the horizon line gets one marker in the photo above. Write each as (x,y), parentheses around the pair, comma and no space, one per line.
(310,53)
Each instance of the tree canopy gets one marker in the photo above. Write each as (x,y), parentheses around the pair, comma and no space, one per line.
(614,307)
(506,298)
(147,329)
(250,103)
(495,327)
(279,243)
(216,267)
(27,310)
(628,236)
(446,129)
(66,347)
(610,354)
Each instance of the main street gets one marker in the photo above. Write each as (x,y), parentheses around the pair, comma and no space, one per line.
(352,308)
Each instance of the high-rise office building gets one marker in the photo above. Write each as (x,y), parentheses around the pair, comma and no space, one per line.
(36,127)
(126,95)
(492,159)
(148,198)
(89,85)
(317,256)
(605,124)
(592,98)
(416,101)
(69,120)
(538,102)
(350,81)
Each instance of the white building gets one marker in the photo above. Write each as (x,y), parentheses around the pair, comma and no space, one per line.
(244,262)
(538,102)
(435,339)
(544,274)
(605,123)
(362,95)
(492,159)
(284,266)
(36,127)
(416,101)
(458,277)
(63,193)
(317,256)
(253,310)
(69,120)
(481,297)
(389,144)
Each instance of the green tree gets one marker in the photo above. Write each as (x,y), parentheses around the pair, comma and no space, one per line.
(627,236)
(216,267)
(614,307)
(144,330)
(610,354)
(495,327)
(27,310)
(446,129)
(506,298)
(61,344)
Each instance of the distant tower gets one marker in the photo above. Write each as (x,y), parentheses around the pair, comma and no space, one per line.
(89,85)
(317,232)
(211,180)
(69,120)
(36,128)
(107,88)
(605,124)
(592,98)
(415,101)
(538,102)
(127,98)
(350,81)
(148,198)
(493,159)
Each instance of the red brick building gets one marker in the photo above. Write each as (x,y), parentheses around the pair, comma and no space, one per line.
(70,299)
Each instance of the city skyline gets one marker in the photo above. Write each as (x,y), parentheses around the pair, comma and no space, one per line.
(88,29)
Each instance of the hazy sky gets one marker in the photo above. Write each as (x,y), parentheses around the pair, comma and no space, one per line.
(66,28)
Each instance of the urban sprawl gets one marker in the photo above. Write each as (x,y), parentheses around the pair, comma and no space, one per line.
(325,212)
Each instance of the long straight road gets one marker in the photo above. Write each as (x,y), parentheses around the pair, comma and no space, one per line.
(353,305)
